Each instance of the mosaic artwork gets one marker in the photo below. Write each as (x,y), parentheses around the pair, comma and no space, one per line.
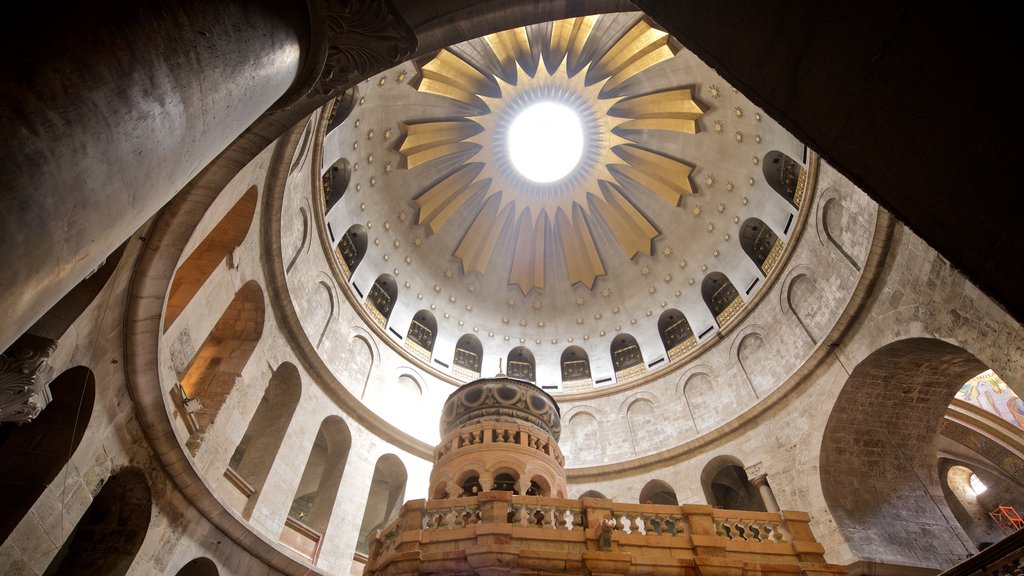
(988,392)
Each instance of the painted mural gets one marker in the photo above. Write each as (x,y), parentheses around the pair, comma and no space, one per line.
(988,392)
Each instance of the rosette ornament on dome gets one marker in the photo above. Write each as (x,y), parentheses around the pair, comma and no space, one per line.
(575,169)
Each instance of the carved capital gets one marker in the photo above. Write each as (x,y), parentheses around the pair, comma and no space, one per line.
(756,474)
(24,376)
(364,37)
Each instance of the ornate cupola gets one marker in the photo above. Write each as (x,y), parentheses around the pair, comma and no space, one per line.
(499,434)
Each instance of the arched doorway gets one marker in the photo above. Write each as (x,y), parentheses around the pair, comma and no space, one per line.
(198,567)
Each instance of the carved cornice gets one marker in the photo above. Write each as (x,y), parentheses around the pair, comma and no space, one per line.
(24,376)
(360,38)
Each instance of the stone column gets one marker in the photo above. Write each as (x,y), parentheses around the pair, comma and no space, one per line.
(110,108)
(759,478)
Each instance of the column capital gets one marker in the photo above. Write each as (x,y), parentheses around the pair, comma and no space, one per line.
(24,377)
(756,474)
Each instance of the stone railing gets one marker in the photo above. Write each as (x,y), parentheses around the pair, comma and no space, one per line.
(499,433)
(497,530)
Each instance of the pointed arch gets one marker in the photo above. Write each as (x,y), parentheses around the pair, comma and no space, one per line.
(225,237)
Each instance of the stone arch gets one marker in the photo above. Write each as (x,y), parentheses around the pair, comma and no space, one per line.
(218,364)
(754,356)
(32,454)
(422,332)
(645,430)
(574,364)
(658,492)
(521,365)
(361,361)
(676,333)
(627,358)
(469,353)
(387,492)
(700,395)
(108,536)
(878,452)
(303,239)
(721,297)
(834,225)
(225,237)
(585,438)
(968,507)
(782,173)
(327,296)
(317,490)
(758,242)
(258,448)
(804,299)
(352,248)
(198,567)
(725,484)
(382,298)
(593,494)
(335,182)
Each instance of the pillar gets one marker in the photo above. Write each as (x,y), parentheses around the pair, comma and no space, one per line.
(759,478)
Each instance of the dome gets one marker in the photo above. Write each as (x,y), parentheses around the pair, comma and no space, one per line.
(500,400)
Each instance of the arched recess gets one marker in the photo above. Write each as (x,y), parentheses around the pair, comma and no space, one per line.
(469,353)
(838,229)
(725,484)
(593,494)
(421,334)
(33,454)
(219,362)
(303,238)
(108,536)
(387,491)
(755,359)
(225,237)
(784,175)
(381,300)
(721,297)
(658,492)
(676,334)
(342,108)
(575,365)
(878,453)
(360,362)
(645,431)
(760,243)
(702,400)
(627,360)
(969,507)
(352,248)
(317,491)
(198,567)
(807,303)
(256,452)
(324,309)
(521,364)
(585,439)
(335,181)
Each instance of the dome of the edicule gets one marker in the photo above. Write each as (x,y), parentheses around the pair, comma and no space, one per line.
(500,399)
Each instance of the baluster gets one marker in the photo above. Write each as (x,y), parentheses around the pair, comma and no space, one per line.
(571,517)
(653,524)
(618,521)
(523,515)
(720,528)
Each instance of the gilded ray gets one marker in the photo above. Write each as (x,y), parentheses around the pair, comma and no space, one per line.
(427,141)
(478,244)
(528,259)
(450,76)
(511,48)
(663,175)
(673,110)
(443,199)
(631,228)
(630,54)
(581,257)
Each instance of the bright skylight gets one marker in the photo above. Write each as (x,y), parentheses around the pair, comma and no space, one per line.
(545,141)
(977,485)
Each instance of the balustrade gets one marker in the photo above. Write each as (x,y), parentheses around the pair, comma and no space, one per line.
(749,530)
(499,433)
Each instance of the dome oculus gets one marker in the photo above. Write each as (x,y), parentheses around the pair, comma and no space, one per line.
(545,141)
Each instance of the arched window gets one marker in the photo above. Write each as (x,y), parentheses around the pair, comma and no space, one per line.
(627,360)
(33,453)
(352,248)
(422,332)
(257,451)
(658,492)
(760,243)
(198,567)
(676,333)
(731,489)
(381,300)
(785,176)
(721,297)
(227,235)
(317,491)
(336,180)
(342,108)
(505,482)
(387,491)
(521,364)
(219,362)
(110,533)
(468,356)
(575,369)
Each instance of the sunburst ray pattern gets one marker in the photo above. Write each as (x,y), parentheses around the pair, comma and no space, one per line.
(567,63)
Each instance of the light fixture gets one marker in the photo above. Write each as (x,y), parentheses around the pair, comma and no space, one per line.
(545,141)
